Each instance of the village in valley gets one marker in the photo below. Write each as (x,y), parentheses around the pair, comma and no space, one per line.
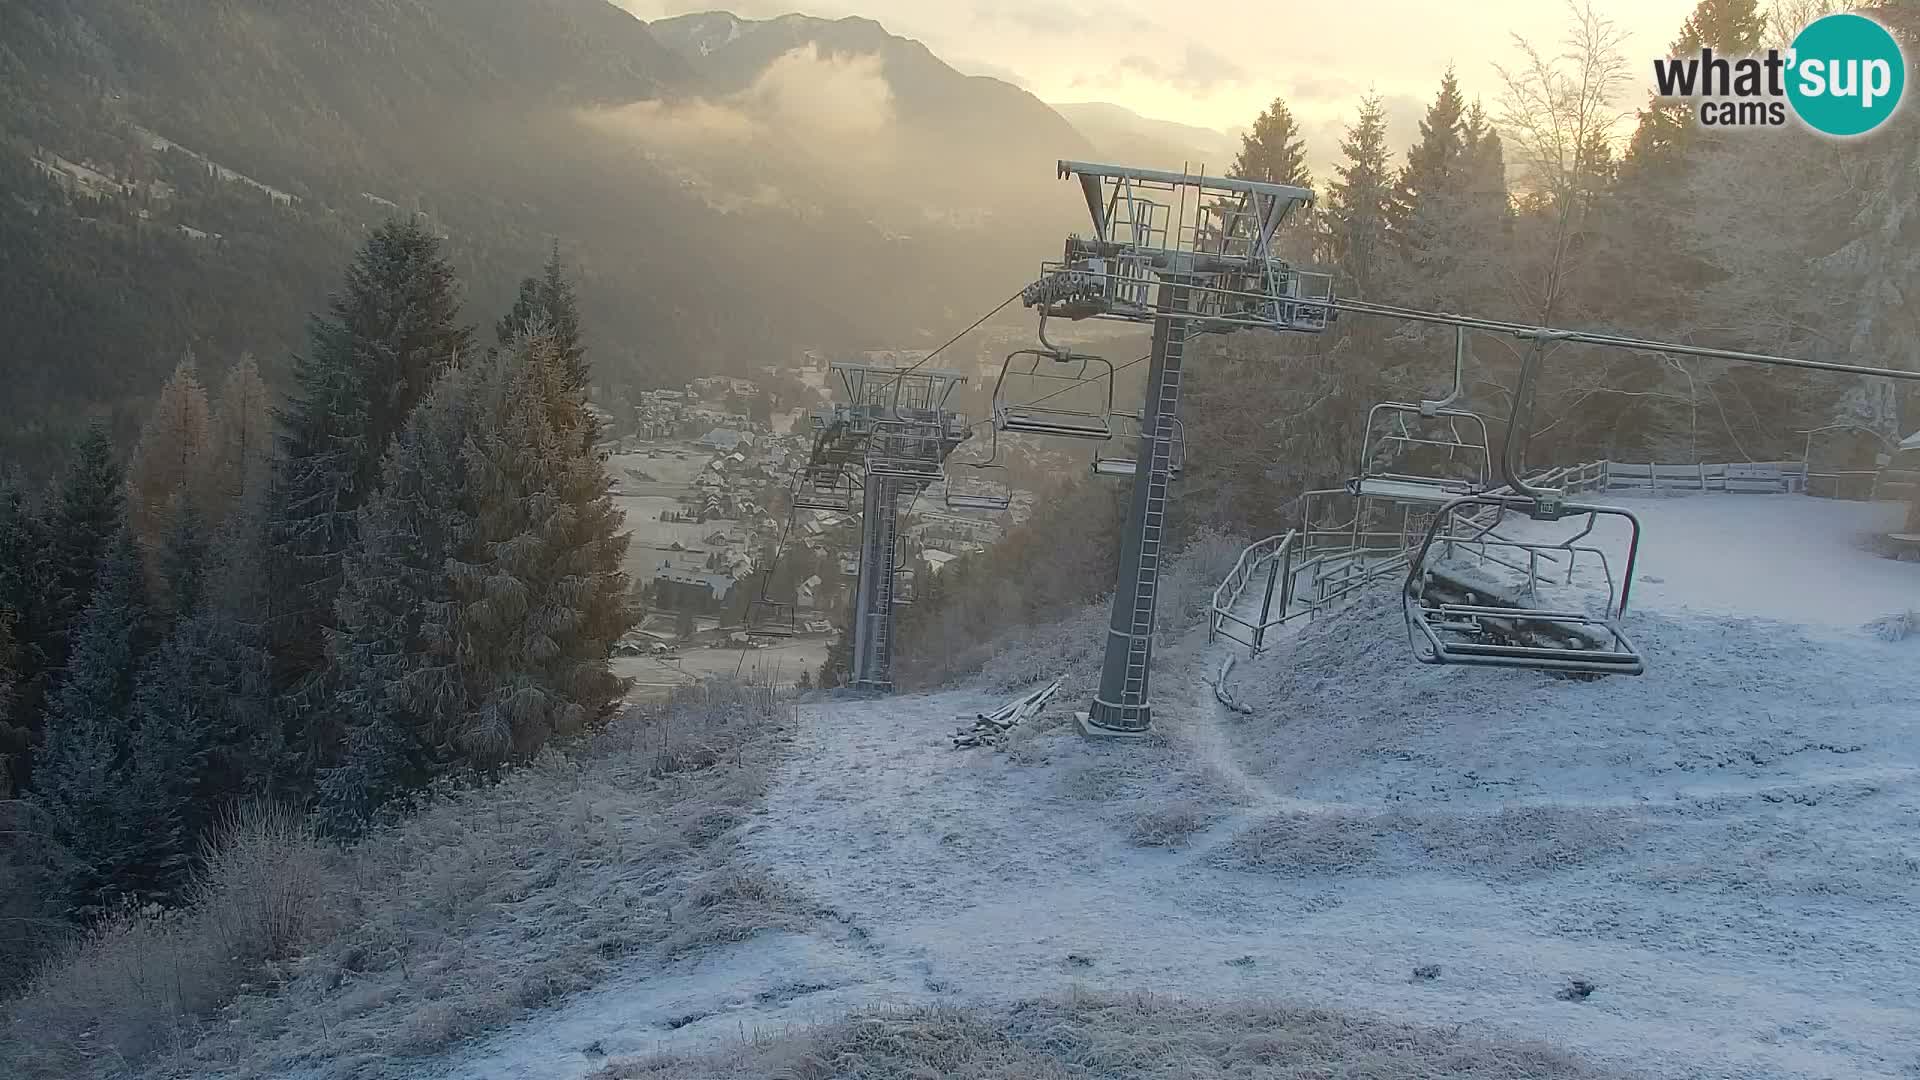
(727,573)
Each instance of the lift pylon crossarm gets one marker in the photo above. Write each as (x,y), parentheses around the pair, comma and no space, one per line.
(1216,233)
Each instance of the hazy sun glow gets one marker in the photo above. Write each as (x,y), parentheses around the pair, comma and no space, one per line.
(1218,69)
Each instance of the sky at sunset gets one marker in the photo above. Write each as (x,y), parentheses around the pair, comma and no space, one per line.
(1223,62)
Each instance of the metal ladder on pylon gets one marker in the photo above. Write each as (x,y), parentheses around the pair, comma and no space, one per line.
(873,657)
(1147,584)
(886,534)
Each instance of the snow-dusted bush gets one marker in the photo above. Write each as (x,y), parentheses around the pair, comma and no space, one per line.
(144,978)
(489,902)
(1186,586)
(1898,626)
(1035,654)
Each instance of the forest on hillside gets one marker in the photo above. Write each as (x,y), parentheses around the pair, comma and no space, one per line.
(1547,197)
(186,175)
(340,568)
(404,573)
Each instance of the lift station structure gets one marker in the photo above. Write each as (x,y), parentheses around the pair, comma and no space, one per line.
(1188,254)
(888,438)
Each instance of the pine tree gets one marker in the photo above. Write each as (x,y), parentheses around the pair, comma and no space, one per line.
(1434,160)
(541,594)
(239,458)
(485,593)
(1666,131)
(167,461)
(13,738)
(389,334)
(549,300)
(1444,217)
(1484,159)
(180,568)
(1361,200)
(1272,152)
(79,779)
(56,559)
(85,515)
(20,554)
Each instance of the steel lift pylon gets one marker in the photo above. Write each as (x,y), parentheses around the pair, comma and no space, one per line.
(1190,254)
(889,439)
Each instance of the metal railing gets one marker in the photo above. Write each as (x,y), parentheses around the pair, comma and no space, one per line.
(1304,583)
(1334,562)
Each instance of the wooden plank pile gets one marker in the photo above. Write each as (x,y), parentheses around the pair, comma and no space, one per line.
(989,728)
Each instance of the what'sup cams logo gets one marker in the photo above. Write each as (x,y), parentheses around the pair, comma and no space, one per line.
(1843,76)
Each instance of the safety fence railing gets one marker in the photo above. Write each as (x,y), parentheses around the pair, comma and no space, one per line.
(1299,579)
(1308,569)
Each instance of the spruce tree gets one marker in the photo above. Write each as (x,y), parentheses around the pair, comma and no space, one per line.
(395,648)
(49,562)
(389,334)
(80,777)
(82,521)
(542,594)
(549,300)
(485,593)
(20,552)
(1361,200)
(1667,130)
(1434,160)
(1272,152)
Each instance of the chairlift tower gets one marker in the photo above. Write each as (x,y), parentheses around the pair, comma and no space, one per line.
(888,438)
(1190,254)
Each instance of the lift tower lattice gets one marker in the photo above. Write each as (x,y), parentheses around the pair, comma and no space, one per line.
(889,438)
(1190,254)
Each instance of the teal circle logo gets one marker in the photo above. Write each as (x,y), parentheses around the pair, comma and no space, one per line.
(1847,74)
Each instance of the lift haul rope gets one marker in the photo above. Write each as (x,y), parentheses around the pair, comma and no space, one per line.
(1529,332)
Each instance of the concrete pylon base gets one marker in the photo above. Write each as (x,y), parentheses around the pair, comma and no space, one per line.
(1083,721)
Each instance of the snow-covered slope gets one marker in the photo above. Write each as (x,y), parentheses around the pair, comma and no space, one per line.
(1728,846)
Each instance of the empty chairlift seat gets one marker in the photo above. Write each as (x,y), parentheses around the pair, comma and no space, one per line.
(1422,454)
(1126,464)
(771,619)
(823,488)
(1063,394)
(981,486)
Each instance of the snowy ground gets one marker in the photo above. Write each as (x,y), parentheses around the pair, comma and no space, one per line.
(1728,846)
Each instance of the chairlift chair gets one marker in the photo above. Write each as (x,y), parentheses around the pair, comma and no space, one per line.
(1377,437)
(819,487)
(1124,465)
(771,618)
(984,485)
(1042,415)
(1493,634)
